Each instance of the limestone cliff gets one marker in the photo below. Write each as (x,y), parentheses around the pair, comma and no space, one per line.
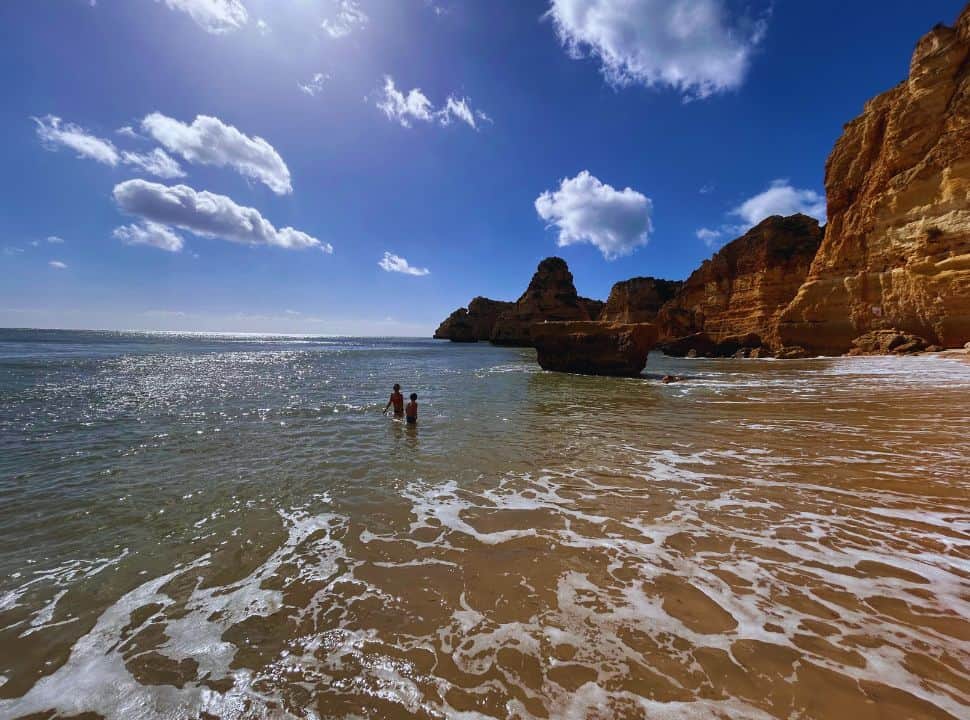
(638,300)
(896,253)
(474,323)
(551,296)
(743,289)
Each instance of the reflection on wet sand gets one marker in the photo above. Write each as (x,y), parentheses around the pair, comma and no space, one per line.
(752,544)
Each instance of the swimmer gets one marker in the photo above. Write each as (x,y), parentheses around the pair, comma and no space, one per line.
(412,409)
(667,379)
(397,400)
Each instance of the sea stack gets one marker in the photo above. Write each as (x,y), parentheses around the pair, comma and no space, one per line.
(594,348)
(896,253)
(551,296)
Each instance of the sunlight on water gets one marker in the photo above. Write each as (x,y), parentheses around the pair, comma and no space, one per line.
(229,526)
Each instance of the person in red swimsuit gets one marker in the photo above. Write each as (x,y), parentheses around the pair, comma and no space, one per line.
(397,400)
(412,409)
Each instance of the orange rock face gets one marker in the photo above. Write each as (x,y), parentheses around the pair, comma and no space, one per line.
(747,284)
(550,296)
(594,348)
(896,252)
(638,299)
(474,323)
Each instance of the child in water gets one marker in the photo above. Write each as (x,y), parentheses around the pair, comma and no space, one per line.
(412,409)
(397,400)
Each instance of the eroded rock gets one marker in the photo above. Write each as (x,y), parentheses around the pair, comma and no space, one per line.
(594,348)
(551,296)
(896,253)
(746,285)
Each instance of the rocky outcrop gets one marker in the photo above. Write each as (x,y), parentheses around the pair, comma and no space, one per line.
(896,253)
(593,307)
(887,342)
(474,323)
(594,348)
(744,288)
(551,296)
(703,345)
(638,299)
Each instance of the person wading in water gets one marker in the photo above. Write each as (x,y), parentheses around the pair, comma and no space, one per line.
(397,400)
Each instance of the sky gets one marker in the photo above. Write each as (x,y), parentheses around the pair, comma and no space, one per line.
(364,167)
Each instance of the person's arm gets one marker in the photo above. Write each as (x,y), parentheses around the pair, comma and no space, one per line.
(388,405)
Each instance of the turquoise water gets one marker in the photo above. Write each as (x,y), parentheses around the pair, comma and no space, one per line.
(227,524)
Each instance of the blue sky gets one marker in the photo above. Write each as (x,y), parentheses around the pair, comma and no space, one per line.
(366,166)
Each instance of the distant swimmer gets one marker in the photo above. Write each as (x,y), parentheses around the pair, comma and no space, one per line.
(667,379)
(397,400)
(412,409)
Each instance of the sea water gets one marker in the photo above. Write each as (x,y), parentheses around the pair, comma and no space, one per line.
(227,526)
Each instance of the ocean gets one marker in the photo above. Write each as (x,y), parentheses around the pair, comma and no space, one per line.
(227,526)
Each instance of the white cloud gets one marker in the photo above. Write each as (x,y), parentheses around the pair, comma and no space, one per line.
(781,199)
(588,211)
(348,17)
(150,233)
(54,240)
(706,189)
(415,106)
(209,141)
(213,16)
(263,27)
(315,85)
(57,265)
(696,47)
(395,263)
(207,214)
(128,131)
(157,162)
(710,237)
(404,108)
(52,132)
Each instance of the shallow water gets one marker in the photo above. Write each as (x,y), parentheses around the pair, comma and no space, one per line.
(227,526)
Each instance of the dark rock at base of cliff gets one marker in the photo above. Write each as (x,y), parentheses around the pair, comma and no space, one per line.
(696,345)
(703,345)
(594,348)
(888,342)
(791,352)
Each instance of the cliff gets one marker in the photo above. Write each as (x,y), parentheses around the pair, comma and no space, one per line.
(896,253)
(474,323)
(638,300)
(744,288)
(551,296)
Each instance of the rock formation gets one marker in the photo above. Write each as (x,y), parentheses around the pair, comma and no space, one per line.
(638,299)
(886,342)
(896,253)
(474,323)
(703,345)
(550,296)
(743,289)
(593,307)
(594,348)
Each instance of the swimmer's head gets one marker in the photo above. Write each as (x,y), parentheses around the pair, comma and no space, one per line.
(414,396)
(397,388)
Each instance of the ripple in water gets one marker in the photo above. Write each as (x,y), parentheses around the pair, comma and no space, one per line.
(228,527)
